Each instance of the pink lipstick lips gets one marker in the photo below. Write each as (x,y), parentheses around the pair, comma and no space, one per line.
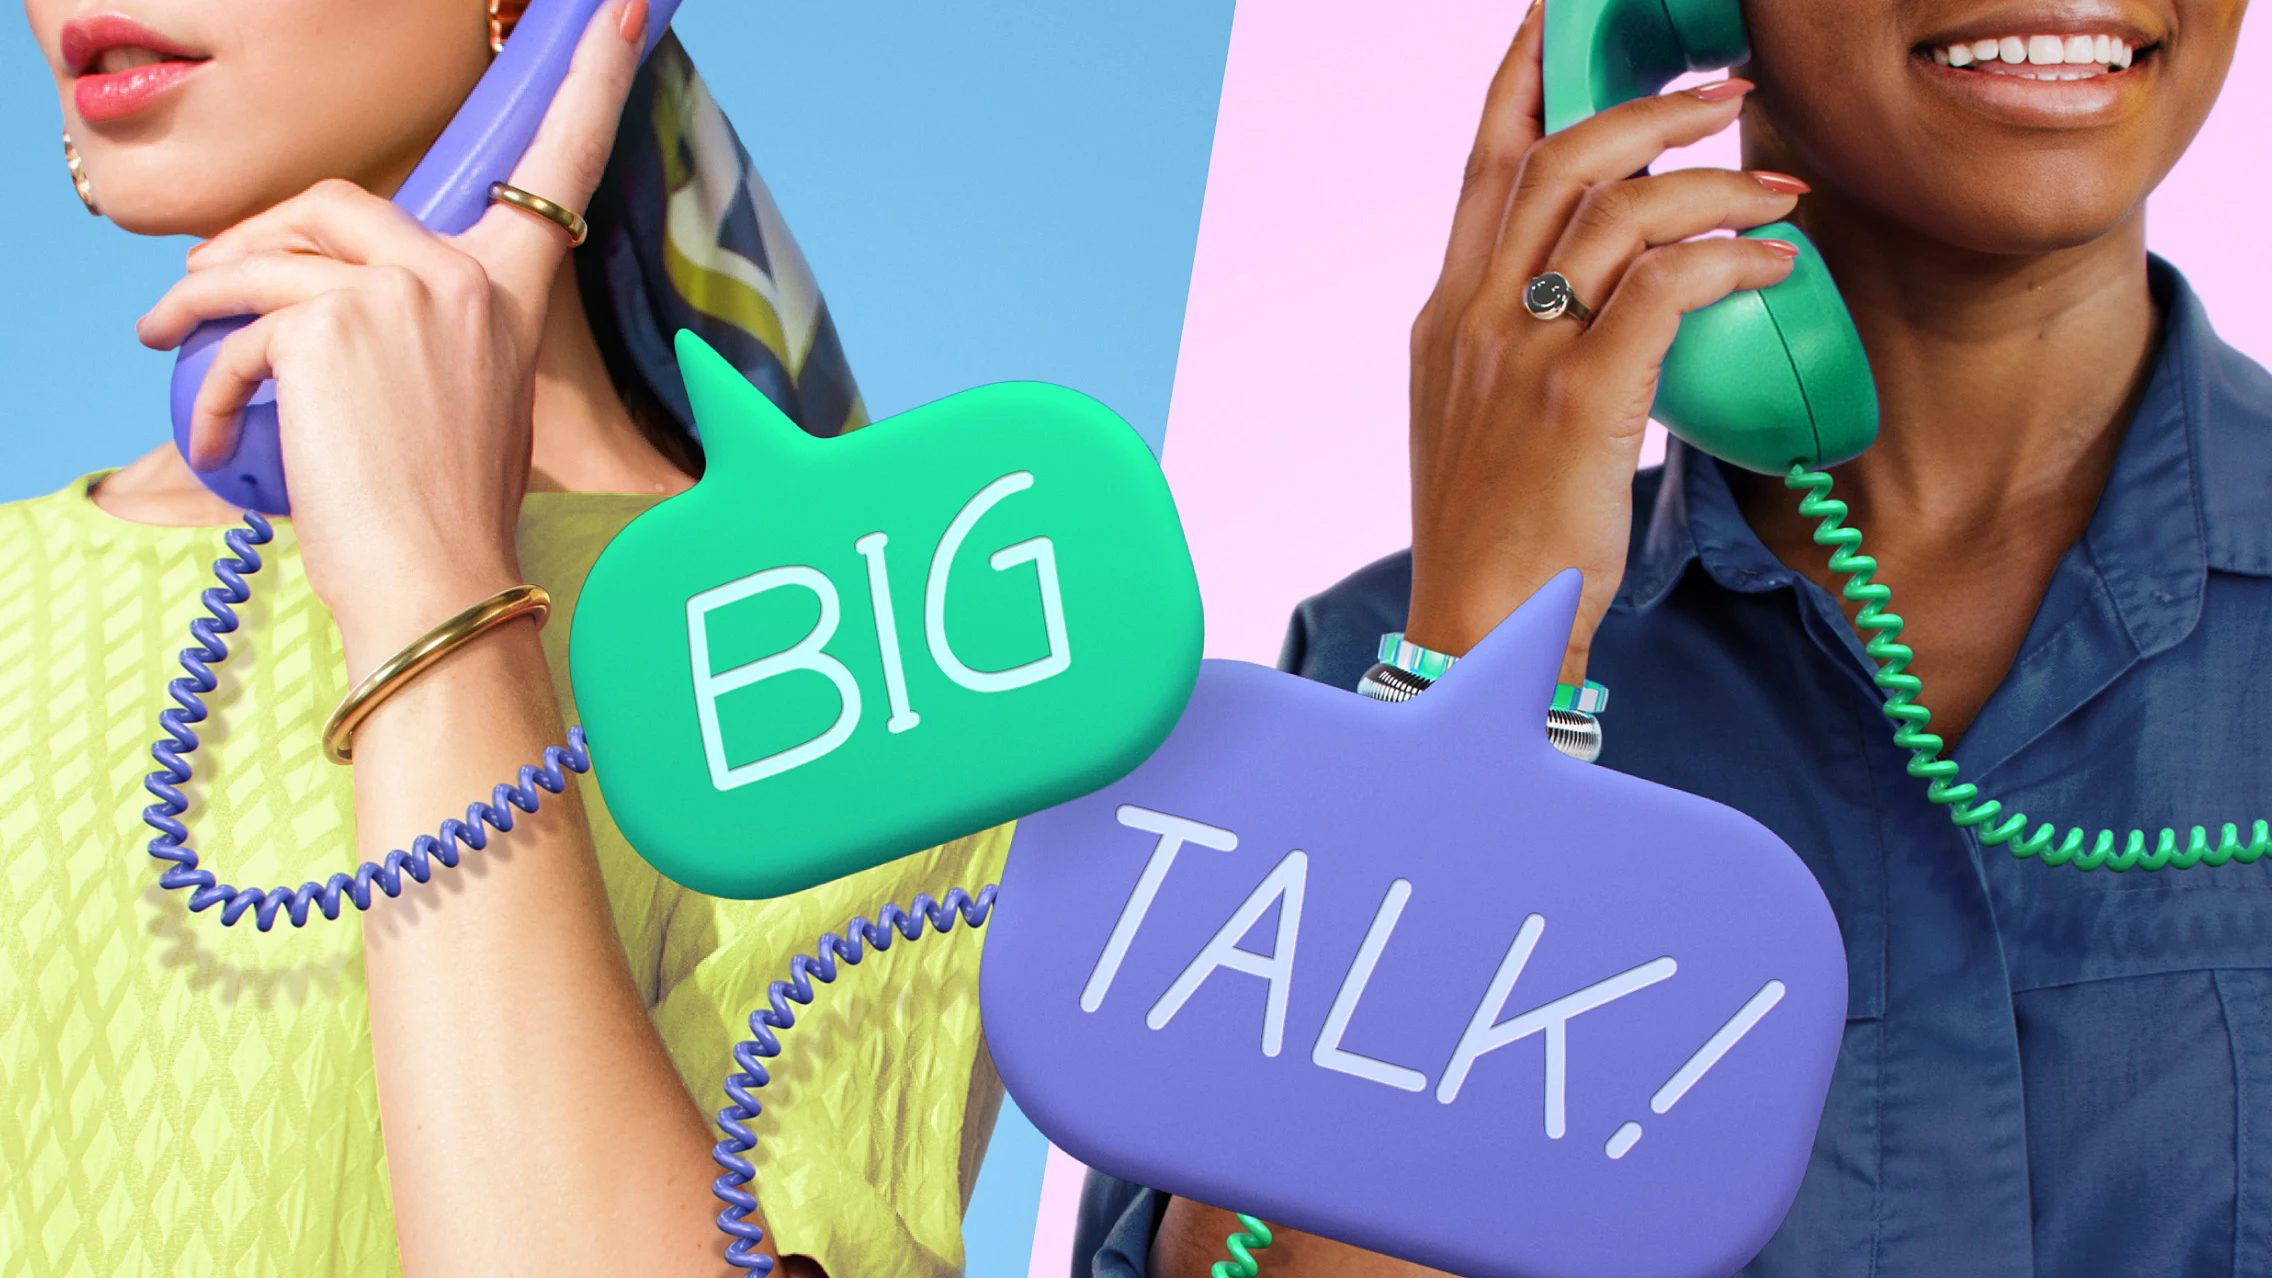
(121,66)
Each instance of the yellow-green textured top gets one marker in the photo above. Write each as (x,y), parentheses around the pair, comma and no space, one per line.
(181,1098)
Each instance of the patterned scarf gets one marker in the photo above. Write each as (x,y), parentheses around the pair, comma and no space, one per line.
(688,237)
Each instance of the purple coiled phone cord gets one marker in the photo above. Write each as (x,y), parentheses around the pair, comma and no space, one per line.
(183,871)
(762,1045)
(172,751)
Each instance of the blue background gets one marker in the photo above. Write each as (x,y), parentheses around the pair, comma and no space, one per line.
(987,190)
(1005,189)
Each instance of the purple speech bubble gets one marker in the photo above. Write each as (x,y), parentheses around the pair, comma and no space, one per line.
(1405,976)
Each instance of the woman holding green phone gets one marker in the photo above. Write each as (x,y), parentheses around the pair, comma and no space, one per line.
(2043,1071)
(507,1069)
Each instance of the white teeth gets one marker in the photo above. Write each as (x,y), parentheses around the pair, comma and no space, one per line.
(2096,52)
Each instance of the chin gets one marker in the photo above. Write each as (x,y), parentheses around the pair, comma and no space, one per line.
(1975,191)
(169,213)
(2027,231)
(2015,214)
(175,186)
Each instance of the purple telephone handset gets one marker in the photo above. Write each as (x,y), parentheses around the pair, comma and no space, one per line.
(448,192)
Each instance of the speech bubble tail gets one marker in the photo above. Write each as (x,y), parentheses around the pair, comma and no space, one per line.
(1512,670)
(740,427)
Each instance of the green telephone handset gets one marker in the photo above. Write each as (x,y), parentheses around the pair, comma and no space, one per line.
(1776,381)
(1762,379)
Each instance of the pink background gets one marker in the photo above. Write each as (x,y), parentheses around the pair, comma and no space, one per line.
(1337,159)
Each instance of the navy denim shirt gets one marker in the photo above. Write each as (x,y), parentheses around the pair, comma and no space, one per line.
(2044,1071)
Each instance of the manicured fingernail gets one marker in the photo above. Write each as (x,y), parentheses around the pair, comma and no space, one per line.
(1722,91)
(1780,183)
(633,24)
(1783,249)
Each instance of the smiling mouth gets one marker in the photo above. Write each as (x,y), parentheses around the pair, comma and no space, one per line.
(2042,57)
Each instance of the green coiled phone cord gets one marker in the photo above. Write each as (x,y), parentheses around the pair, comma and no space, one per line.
(1925,761)
(1253,1234)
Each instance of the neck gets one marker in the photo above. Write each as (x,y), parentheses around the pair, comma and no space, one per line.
(2005,383)
(2002,379)
(584,439)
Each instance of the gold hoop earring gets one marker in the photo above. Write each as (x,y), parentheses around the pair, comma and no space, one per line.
(504,15)
(79,181)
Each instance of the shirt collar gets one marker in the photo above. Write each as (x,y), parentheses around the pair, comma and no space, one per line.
(2186,493)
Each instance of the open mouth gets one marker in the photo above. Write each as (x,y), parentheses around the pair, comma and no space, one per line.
(121,66)
(103,44)
(2043,57)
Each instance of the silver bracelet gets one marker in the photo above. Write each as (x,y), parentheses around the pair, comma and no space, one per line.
(1574,732)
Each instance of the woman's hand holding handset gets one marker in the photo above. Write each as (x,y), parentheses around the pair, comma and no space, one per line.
(528,1105)
(1525,434)
(404,362)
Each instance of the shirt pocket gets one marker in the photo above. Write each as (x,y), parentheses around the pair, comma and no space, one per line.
(2145,1007)
(2137,1092)
(2247,998)
(2064,927)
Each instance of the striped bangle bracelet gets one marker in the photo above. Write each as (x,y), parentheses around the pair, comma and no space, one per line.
(1429,664)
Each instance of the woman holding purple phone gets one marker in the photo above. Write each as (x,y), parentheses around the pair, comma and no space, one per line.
(506,1069)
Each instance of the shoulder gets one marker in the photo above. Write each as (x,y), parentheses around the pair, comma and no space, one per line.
(32,512)
(61,535)
(1335,634)
(2235,442)
(2225,400)
(561,533)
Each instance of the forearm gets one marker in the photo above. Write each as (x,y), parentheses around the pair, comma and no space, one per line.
(529,1107)
(531,1118)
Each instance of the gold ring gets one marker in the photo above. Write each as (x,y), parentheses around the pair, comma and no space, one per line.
(423,652)
(566,219)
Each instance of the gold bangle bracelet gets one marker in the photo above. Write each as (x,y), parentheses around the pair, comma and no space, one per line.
(506,605)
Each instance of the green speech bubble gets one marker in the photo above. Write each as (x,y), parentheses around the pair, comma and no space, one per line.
(833,652)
